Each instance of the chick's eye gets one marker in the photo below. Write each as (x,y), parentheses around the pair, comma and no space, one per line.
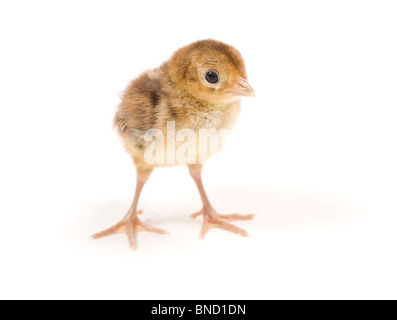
(212,77)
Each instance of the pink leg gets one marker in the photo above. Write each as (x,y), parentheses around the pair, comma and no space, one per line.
(211,218)
(131,224)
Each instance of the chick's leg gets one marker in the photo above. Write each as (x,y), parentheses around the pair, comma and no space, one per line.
(131,224)
(211,218)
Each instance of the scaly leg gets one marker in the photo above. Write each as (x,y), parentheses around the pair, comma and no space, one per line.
(131,224)
(211,218)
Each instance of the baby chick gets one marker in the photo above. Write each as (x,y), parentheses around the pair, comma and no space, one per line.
(198,88)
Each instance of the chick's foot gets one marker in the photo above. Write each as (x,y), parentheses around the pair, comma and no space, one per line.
(130,225)
(214,220)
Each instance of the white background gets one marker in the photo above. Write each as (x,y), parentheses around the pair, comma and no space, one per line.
(314,155)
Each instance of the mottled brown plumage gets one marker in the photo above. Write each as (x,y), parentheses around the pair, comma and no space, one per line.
(180,91)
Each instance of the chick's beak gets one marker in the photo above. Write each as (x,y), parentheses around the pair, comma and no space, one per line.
(243,88)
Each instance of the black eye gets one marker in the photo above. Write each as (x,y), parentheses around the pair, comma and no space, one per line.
(212,77)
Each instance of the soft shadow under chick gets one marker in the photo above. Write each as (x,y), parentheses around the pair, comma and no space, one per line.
(198,88)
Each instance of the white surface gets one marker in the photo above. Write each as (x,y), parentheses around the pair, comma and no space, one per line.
(314,155)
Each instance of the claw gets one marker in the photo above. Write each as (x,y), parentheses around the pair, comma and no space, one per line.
(130,226)
(215,220)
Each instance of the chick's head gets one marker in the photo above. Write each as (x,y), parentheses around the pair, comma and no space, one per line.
(210,70)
